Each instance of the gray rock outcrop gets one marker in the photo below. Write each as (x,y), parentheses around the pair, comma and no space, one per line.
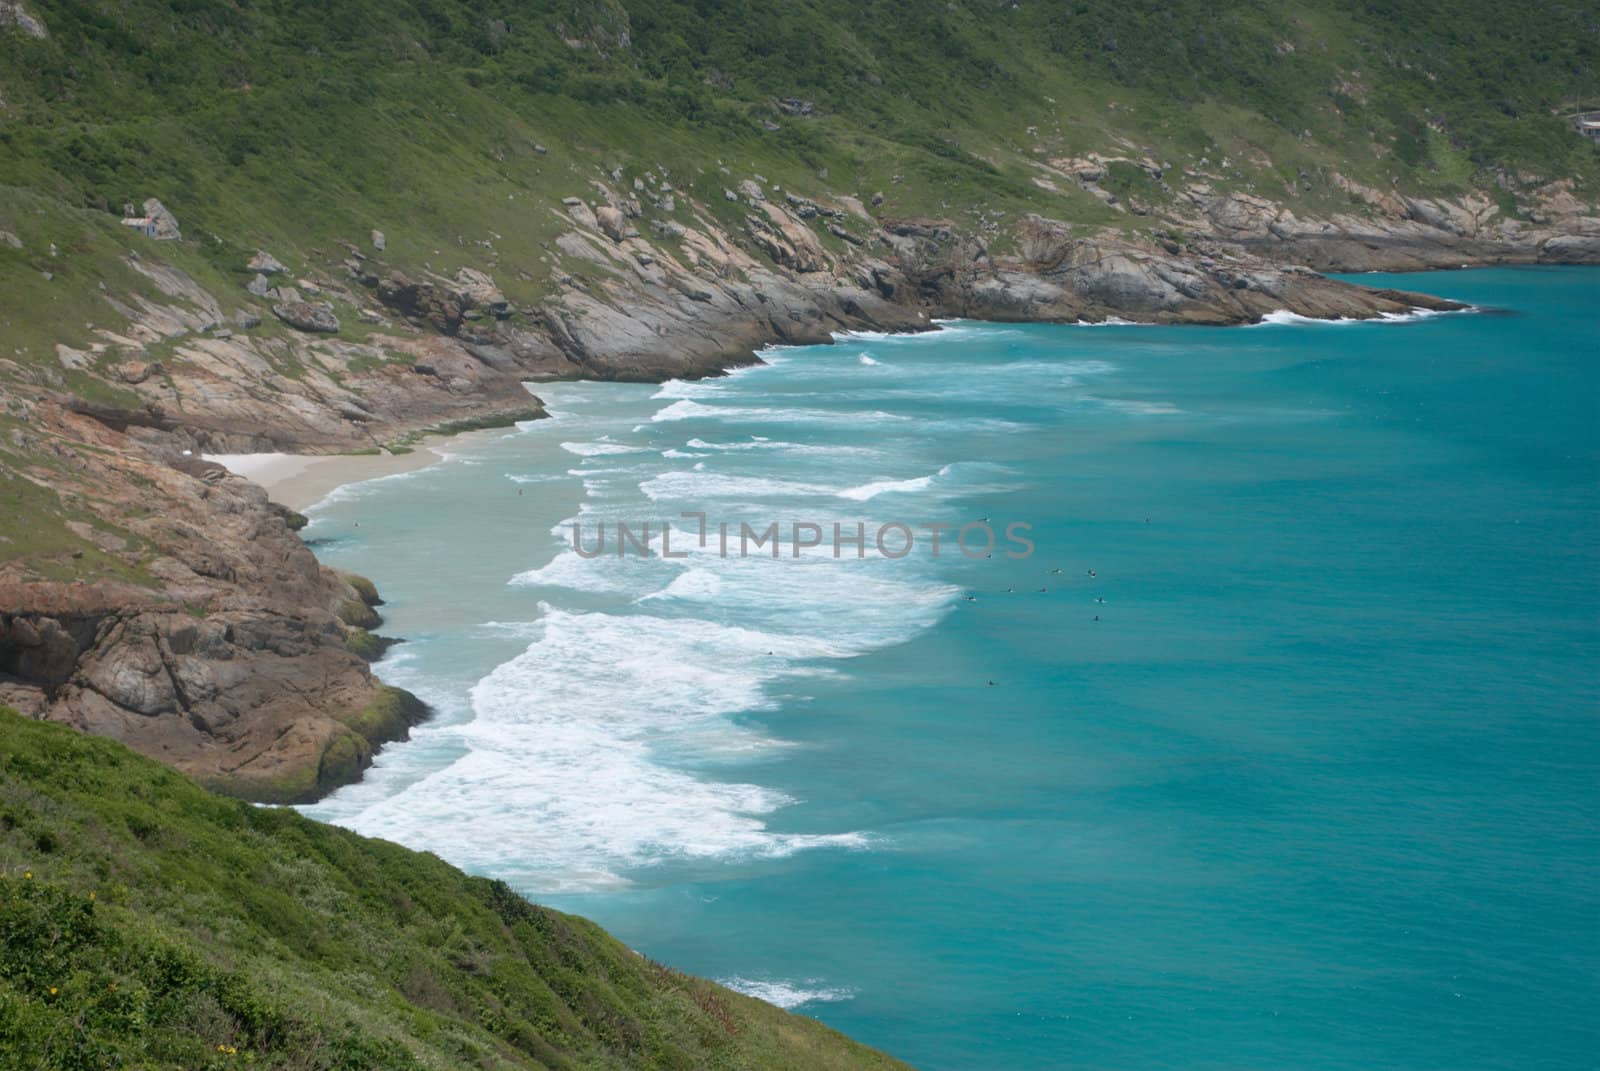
(164,223)
(15,16)
(304,316)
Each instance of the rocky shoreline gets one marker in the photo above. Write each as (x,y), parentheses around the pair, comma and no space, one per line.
(206,635)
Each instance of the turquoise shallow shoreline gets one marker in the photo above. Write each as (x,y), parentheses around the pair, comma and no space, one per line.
(1317,790)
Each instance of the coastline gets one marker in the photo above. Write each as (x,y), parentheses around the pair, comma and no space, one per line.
(300,481)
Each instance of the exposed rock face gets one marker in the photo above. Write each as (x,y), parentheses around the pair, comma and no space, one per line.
(610,222)
(482,293)
(234,669)
(165,224)
(439,307)
(1058,276)
(230,661)
(1397,233)
(15,16)
(304,316)
(1571,249)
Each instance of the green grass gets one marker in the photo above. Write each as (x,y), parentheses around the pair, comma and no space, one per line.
(147,923)
(367,645)
(37,528)
(296,128)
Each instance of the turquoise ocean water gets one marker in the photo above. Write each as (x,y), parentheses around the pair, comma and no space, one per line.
(1318,789)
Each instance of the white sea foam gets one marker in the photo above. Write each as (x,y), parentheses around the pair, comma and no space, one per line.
(1284,316)
(560,761)
(868,359)
(688,388)
(350,492)
(609,574)
(693,486)
(756,442)
(599,449)
(688,409)
(788,994)
(879,487)
(1419,314)
(940,330)
(1111,321)
(693,584)
(588,756)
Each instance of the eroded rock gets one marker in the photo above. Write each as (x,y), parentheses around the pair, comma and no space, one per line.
(304,316)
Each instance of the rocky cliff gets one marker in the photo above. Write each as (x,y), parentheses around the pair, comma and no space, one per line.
(170,606)
(347,225)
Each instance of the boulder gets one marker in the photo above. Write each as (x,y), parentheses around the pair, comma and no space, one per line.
(610,222)
(482,293)
(435,305)
(304,316)
(843,235)
(379,242)
(258,286)
(136,372)
(134,676)
(264,263)
(1572,249)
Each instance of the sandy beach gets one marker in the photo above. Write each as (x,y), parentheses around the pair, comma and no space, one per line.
(301,480)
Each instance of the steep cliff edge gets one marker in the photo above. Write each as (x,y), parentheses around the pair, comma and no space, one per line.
(171,607)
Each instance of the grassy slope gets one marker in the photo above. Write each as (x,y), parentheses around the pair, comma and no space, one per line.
(289,126)
(145,923)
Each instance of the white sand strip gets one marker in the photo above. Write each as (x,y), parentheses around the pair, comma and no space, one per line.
(301,480)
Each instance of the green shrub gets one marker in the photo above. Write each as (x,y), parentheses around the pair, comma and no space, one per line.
(172,928)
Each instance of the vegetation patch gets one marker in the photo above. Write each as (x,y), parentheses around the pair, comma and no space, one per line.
(145,922)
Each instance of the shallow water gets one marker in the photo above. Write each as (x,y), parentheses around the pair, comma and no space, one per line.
(1317,789)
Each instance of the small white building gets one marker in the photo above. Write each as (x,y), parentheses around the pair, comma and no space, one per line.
(1588,124)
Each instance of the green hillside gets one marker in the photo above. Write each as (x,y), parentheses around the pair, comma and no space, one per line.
(147,923)
(290,124)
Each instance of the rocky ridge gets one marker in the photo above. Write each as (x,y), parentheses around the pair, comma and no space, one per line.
(223,648)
